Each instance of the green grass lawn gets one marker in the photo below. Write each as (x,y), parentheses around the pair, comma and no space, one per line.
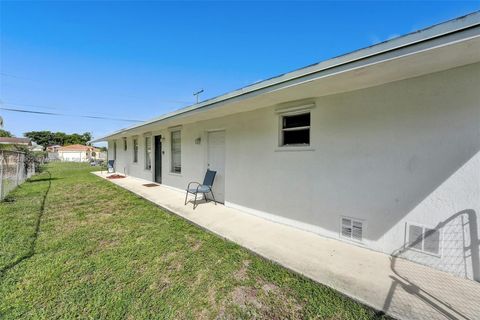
(75,246)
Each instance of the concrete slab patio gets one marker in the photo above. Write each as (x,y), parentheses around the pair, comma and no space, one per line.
(400,288)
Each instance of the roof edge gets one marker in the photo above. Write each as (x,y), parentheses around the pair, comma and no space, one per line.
(431,32)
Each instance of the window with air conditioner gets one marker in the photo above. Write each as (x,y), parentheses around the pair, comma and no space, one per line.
(352,229)
(424,239)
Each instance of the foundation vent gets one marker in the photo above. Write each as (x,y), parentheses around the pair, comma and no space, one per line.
(352,229)
(424,239)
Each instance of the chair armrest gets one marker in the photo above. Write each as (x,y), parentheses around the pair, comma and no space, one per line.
(199,184)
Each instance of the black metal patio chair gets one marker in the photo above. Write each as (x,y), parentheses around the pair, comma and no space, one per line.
(203,188)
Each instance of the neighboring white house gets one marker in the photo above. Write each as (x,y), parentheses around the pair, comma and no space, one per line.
(53,148)
(378,148)
(77,153)
(36,147)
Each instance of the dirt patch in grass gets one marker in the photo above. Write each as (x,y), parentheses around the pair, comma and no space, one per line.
(160,284)
(246,296)
(266,301)
(241,274)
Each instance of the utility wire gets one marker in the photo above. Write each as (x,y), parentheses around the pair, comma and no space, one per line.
(120,95)
(13,76)
(67,115)
(31,106)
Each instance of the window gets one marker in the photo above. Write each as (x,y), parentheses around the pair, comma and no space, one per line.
(176,143)
(295,130)
(148,153)
(124,144)
(135,150)
(114,150)
(424,239)
(352,229)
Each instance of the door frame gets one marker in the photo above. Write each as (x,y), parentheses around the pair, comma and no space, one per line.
(225,163)
(160,138)
(205,145)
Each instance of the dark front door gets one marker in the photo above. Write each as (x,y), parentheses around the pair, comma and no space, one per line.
(158,159)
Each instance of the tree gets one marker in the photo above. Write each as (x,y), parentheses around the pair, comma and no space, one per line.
(43,138)
(47,138)
(59,138)
(87,136)
(5,133)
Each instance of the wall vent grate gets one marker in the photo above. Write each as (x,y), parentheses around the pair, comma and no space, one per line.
(424,239)
(352,229)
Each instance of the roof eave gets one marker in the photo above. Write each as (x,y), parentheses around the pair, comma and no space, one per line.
(423,35)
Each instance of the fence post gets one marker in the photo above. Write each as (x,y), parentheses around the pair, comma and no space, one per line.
(18,169)
(1,175)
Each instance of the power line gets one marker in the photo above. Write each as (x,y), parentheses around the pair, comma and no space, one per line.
(31,105)
(10,104)
(13,76)
(67,115)
(118,95)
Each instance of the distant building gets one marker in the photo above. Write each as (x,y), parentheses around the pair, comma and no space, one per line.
(16,141)
(53,148)
(77,153)
(36,147)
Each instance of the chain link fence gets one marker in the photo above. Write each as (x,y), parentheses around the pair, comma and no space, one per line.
(14,170)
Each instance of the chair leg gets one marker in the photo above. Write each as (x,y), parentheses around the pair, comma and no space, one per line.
(214,201)
(195,201)
(186,195)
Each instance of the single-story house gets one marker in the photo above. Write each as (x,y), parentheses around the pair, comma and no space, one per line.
(13,141)
(77,153)
(53,148)
(36,147)
(378,147)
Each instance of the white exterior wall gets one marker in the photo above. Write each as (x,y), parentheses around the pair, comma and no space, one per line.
(73,156)
(402,152)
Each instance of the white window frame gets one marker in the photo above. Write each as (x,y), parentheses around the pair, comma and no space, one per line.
(291,110)
(440,241)
(172,165)
(281,143)
(148,155)
(125,144)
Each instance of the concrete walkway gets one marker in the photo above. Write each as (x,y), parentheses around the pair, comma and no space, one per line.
(402,289)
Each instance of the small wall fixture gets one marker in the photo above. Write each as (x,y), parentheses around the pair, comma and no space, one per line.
(198,140)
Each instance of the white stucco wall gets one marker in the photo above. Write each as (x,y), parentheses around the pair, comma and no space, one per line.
(74,156)
(402,152)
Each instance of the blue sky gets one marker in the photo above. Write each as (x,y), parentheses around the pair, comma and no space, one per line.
(137,60)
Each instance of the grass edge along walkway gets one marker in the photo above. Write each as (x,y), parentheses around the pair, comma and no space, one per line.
(103,252)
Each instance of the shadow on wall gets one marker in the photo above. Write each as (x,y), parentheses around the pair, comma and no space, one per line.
(392,152)
(439,293)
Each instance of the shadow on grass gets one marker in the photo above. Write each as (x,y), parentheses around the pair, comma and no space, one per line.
(44,179)
(31,250)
